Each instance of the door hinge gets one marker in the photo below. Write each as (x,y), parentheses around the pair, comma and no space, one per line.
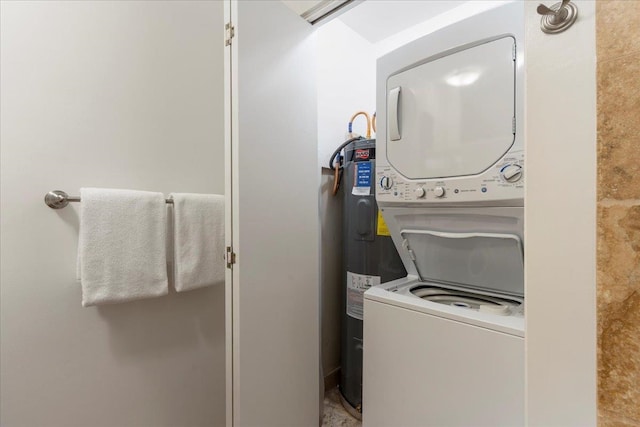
(230,257)
(230,33)
(513,125)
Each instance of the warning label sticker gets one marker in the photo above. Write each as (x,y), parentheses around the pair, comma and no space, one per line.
(382,229)
(357,284)
(362,178)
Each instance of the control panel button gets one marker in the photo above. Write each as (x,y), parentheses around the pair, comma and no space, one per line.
(419,192)
(386,183)
(438,191)
(511,173)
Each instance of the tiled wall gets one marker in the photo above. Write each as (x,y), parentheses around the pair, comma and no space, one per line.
(618,51)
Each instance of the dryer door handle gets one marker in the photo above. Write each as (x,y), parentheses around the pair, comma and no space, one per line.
(393,121)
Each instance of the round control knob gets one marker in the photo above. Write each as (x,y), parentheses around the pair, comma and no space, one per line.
(511,173)
(419,192)
(386,183)
(438,191)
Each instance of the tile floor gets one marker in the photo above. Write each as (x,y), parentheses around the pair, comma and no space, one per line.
(334,414)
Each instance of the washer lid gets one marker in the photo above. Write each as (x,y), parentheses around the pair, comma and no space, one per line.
(453,115)
(491,261)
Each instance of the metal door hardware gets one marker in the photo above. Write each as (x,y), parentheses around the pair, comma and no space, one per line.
(230,257)
(230,33)
(558,17)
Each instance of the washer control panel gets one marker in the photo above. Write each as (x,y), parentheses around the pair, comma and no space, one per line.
(503,181)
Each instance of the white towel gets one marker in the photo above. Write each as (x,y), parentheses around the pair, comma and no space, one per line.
(199,240)
(122,252)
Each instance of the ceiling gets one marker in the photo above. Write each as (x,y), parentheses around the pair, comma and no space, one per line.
(376,20)
(315,10)
(301,6)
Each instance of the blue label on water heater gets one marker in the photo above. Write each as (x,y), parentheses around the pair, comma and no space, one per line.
(363,174)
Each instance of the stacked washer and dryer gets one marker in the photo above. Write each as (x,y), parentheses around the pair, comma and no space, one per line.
(444,346)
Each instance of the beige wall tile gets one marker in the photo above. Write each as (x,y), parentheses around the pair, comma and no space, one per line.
(609,419)
(618,52)
(618,253)
(617,23)
(619,314)
(619,128)
(619,361)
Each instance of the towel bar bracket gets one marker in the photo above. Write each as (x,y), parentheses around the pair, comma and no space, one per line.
(58,199)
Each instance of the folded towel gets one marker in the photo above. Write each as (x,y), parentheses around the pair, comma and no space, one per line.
(198,240)
(122,252)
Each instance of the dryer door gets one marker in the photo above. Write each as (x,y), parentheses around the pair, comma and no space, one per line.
(453,115)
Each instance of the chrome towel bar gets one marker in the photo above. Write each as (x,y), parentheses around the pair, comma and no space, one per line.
(58,199)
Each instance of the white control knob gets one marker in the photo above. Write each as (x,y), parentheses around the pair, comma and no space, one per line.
(386,183)
(419,192)
(438,191)
(512,173)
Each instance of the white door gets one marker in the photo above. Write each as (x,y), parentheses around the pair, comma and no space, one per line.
(273,303)
(560,221)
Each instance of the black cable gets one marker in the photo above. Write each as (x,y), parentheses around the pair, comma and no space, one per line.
(340,148)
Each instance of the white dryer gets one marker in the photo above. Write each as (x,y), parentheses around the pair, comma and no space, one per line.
(445,345)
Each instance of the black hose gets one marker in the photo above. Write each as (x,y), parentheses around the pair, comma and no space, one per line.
(340,148)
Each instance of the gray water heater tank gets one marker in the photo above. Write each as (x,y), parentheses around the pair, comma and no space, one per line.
(370,259)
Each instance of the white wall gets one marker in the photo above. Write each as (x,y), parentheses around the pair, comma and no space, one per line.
(346,84)
(107,94)
(460,12)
